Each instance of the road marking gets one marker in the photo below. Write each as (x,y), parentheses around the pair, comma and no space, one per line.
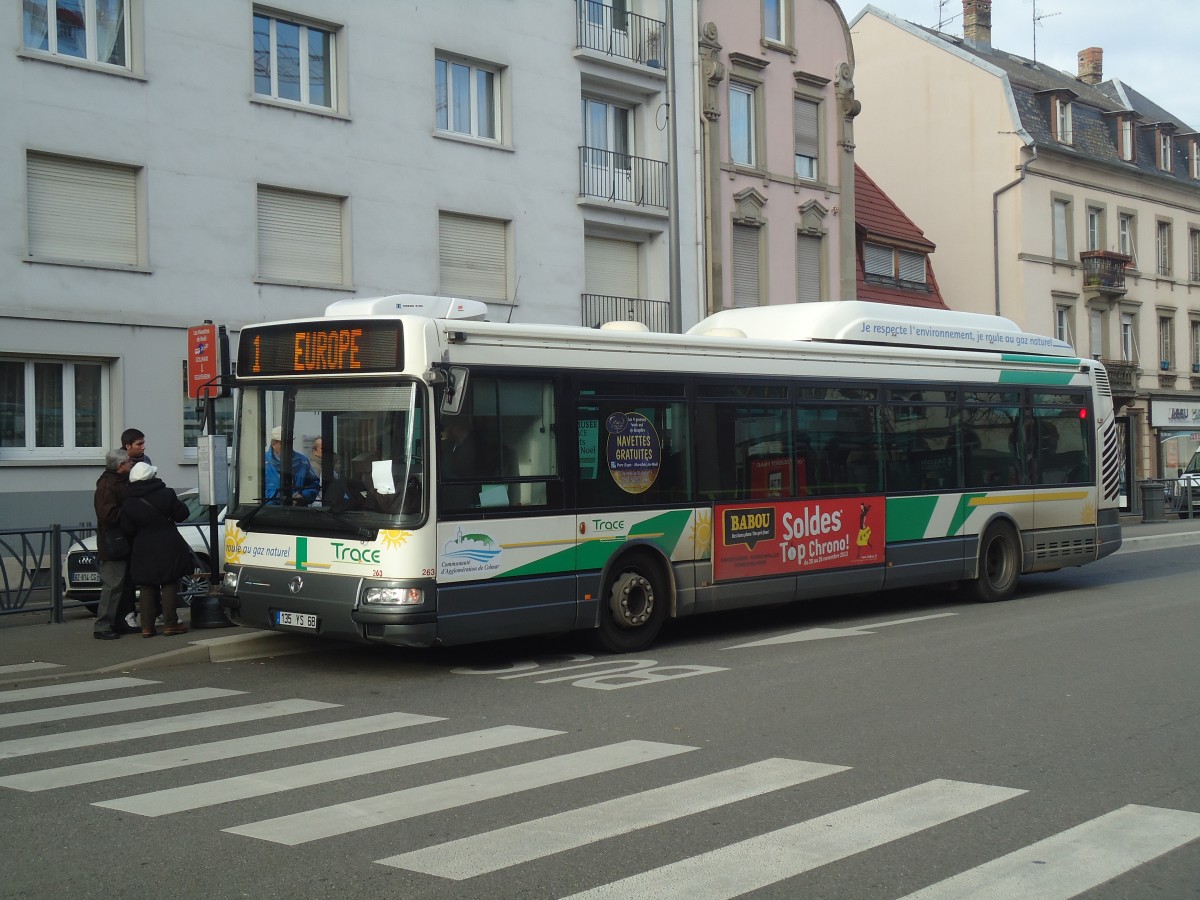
(397,806)
(516,844)
(323,771)
(104,707)
(65,690)
(820,634)
(1074,860)
(234,748)
(13,668)
(109,734)
(761,861)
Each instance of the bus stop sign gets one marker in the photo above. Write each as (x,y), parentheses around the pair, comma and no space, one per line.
(203,361)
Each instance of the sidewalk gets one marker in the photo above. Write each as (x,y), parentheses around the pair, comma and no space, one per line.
(31,650)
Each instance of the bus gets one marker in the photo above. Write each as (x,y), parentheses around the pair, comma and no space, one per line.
(484,480)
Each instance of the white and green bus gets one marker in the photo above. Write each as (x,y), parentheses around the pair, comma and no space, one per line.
(484,480)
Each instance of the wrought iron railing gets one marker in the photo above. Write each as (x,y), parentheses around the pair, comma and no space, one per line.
(31,568)
(621,177)
(614,31)
(1104,270)
(601,308)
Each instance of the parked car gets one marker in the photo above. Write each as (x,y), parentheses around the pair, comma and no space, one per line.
(1177,490)
(82,565)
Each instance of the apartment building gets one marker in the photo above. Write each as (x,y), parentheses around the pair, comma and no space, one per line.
(1064,200)
(165,163)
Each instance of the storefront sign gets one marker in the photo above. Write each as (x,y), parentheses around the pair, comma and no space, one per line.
(1174,413)
(786,538)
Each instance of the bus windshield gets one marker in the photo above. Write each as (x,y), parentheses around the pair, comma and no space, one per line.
(342,456)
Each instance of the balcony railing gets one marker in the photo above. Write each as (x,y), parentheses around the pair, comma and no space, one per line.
(616,32)
(1104,271)
(601,308)
(1122,376)
(619,176)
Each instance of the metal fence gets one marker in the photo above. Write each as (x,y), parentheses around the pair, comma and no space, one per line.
(32,568)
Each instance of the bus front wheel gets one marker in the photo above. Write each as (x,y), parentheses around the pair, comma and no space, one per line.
(999,564)
(635,606)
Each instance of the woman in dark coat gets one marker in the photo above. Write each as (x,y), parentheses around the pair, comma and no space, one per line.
(149,514)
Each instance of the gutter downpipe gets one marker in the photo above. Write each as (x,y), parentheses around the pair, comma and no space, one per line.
(996,220)
(673,225)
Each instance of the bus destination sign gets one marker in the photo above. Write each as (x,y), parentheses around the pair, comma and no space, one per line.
(311,348)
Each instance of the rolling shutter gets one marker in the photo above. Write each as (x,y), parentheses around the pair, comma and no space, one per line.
(912,266)
(808,268)
(878,260)
(611,268)
(300,237)
(804,123)
(82,210)
(472,257)
(746,291)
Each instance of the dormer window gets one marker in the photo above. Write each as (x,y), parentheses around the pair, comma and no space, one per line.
(1126,139)
(891,264)
(1194,158)
(1062,120)
(1165,146)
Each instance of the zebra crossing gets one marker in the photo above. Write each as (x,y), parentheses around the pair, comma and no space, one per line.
(1059,865)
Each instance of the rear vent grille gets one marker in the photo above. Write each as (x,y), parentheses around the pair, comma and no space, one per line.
(1102,385)
(1082,547)
(1110,462)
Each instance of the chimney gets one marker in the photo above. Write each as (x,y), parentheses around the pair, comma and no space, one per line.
(977,24)
(1091,65)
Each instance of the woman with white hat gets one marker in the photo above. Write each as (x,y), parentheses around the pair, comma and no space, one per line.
(160,554)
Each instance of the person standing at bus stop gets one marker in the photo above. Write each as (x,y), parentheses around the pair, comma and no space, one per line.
(134,442)
(112,487)
(160,555)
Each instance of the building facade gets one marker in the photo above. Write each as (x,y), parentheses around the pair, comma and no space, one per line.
(1064,201)
(777,147)
(166,163)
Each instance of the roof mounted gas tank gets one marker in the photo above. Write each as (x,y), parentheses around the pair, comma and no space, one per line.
(410,305)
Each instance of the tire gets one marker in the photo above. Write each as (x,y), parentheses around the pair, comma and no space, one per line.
(999,564)
(635,605)
(196,584)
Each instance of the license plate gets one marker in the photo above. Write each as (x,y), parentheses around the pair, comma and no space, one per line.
(85,578)
(296,620)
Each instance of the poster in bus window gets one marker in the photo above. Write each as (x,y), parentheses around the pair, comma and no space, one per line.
(796,536)
(634,451)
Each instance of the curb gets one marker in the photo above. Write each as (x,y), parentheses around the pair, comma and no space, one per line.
(1158,542)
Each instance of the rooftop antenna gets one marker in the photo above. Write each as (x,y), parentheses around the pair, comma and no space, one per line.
(943,19)
(1037,21)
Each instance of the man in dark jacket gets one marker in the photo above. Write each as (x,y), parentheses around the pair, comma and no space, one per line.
(112,488)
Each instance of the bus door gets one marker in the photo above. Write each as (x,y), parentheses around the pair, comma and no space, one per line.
(506,547)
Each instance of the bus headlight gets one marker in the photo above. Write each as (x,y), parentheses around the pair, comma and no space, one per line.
(230,581)
(393,596)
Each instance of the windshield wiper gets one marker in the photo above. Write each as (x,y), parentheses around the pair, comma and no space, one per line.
(254,512)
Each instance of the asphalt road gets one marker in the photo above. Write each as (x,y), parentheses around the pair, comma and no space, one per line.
(860,748)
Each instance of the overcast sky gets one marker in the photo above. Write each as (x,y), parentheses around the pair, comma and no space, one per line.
(1151,45)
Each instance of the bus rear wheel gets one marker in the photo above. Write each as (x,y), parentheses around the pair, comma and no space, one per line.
(634,607)
(999,564)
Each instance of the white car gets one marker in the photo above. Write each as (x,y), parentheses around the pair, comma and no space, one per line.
(81,567)
(1178,489)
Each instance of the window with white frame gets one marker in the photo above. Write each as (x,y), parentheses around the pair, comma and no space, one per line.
(1126,236)
(1194,254)
(295,61)
(467,98)
(1096,333)
(52,407)
(806,137)
(301,237)
(742,125)
(881,262)
(808,268)
(1062,323)
(773,21)
(92,30)
(193,419)
(83,211)
(1195,346)
(608,145)
(472,257)
(1129,352)
(745,271)
(1164,150)
(1062,229)
(1095,228)
(1062,120)
(1126,139)
(1166,342)
(1194,158)
(1162,247)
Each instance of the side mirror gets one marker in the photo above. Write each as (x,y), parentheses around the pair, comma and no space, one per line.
(455,391)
